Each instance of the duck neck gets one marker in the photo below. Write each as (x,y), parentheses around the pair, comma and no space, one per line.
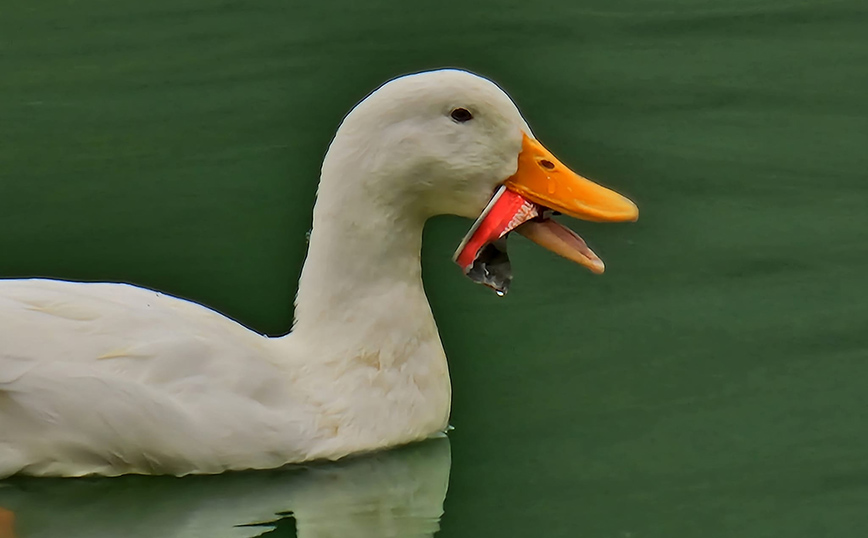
(363,269)
(363,266)
(363,328)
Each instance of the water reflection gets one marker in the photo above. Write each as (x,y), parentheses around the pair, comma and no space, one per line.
(391,494)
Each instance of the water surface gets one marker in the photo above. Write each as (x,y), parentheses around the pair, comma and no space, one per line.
(712,383)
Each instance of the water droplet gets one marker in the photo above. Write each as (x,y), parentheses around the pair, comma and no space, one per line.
(500,293)
(552,186)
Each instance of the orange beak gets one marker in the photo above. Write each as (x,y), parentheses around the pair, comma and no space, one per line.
(523,203)
(543,179)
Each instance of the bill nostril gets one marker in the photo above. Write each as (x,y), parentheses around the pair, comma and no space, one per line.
(548,165)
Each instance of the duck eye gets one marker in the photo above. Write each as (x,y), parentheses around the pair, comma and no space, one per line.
(461,115)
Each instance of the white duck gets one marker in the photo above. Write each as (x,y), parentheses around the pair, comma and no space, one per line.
(104,378)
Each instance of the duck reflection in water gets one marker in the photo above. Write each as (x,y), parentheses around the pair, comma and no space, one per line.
(397,493)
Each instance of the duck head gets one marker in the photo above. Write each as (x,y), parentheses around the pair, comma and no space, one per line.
(451,142)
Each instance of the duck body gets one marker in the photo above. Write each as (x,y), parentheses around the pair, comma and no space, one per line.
(94,373)
(130,380)
(109,379)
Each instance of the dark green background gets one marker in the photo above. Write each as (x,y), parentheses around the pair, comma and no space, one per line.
(712,383)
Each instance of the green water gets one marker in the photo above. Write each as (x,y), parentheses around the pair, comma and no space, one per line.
(712,383)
